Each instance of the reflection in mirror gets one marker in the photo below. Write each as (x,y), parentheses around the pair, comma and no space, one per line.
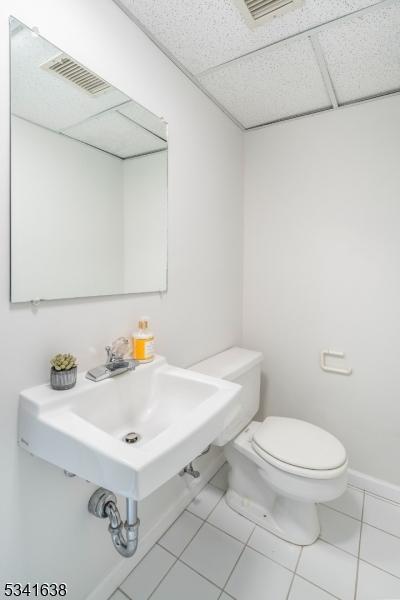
(88,180)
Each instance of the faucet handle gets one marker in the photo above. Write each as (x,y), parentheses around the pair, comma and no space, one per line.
(110,354)
(118,349)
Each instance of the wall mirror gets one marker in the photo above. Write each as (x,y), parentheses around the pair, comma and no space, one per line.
(88,180)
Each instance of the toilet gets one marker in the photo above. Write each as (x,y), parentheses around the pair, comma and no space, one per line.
(280,468)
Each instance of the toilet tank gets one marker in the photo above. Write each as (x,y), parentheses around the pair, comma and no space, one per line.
(243,367)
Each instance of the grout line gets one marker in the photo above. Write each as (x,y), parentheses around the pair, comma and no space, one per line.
(213,508)
(379,568)
(195,533)
(177,518)
(226,593)
(294,573)
(269,557)
(185,546)
(384,498)
(215,474)
(169,552)
(229,595)
(177,558)
(382,530)
(251,533)
(122,592)
(339,547)
(298,560)
(162,579)
(227,532)
(255,549)
(361,519)
(359,548)
(201,574)
(140,561)
(341,512)
(318,586)
(230,535)
(234,566)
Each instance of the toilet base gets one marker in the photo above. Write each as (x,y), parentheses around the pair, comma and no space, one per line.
(293,521)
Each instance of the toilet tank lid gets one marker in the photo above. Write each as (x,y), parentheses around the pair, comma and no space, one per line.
(229,364)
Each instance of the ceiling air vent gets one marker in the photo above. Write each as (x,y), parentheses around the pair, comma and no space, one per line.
(63,66)
(257,12)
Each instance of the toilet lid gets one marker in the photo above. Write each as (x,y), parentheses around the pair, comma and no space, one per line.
(298,443)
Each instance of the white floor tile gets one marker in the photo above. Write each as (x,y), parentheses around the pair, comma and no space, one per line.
(339,529)
(350,503)
(205,501)
(257,578)
(230,521)
(181,532)
(212,553)
(225,597)
(148,574)
(117,595)
(330,568)
(220,479)
(373,584)
(282,552)
(182,583)
(303,590)
(381,549)
(382,514)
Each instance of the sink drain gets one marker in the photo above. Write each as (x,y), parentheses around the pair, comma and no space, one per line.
(131,438)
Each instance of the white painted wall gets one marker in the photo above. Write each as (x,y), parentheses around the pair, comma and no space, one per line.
(145,222)
(46,531)
(67,216)
(322,248)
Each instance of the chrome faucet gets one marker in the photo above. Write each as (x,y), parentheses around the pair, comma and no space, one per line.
(115,363)
(112,356)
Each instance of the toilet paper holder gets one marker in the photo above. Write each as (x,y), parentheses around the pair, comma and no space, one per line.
(324,355)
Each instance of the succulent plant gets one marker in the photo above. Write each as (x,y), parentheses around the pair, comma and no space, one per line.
(63,362)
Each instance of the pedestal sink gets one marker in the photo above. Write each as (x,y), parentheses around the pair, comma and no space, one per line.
(129,434)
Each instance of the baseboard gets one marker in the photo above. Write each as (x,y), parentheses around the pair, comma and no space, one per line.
(375,486)
(114,579)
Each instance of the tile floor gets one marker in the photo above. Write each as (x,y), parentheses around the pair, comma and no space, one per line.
(212,553)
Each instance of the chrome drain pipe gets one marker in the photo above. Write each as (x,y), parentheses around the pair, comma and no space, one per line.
(125,537)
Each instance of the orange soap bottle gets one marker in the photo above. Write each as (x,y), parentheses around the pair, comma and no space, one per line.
(143,342)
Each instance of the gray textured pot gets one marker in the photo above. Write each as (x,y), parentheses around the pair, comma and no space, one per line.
(63,380)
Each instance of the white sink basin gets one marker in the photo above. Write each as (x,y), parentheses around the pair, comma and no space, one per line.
(176,413)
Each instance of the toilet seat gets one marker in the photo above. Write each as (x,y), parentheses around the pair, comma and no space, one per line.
(299,447)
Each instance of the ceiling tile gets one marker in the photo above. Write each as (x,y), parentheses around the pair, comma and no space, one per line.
(57,103)
(145,118)
(204,33)
(117,134)
(270,84)
(363,54)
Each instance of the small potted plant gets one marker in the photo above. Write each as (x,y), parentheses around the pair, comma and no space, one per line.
(63,371)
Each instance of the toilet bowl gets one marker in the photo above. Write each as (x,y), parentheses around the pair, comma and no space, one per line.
(282,496)
(280,468)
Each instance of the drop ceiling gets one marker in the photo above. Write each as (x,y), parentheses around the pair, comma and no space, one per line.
(319,56)
(109,121)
